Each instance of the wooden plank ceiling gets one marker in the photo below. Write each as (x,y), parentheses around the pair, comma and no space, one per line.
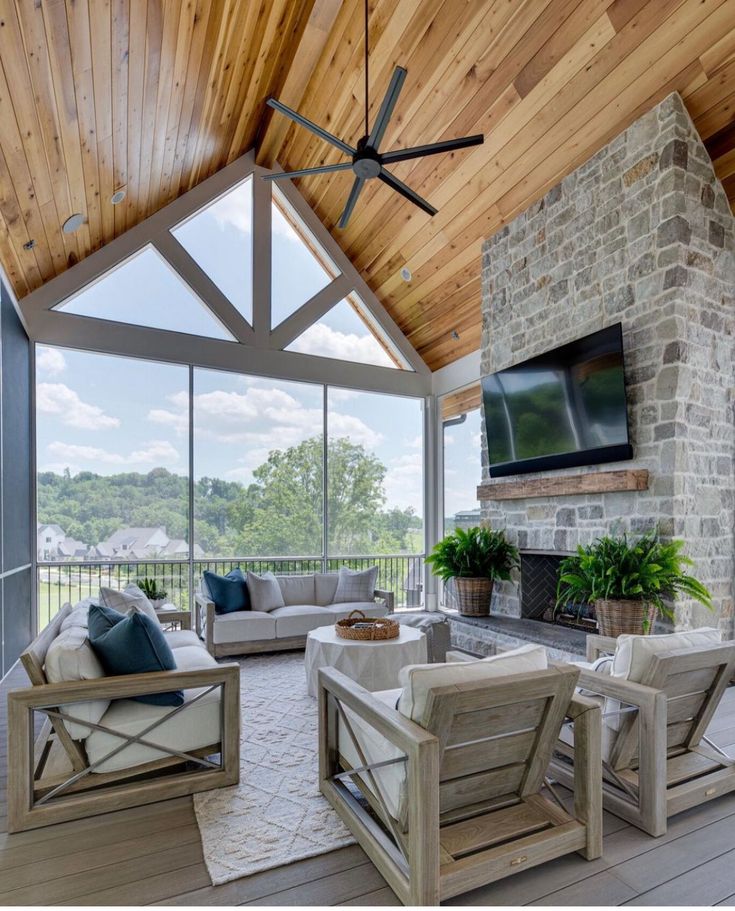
(152,96)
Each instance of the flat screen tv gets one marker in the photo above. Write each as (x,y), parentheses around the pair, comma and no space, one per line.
(561,409)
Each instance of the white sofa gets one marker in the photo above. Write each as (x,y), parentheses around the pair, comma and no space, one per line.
(101,738)
(309,604)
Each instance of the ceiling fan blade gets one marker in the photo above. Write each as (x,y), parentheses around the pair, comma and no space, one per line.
(304,122)
(351,200)
(400,187)
(433,148)
(323,169)
(386,108)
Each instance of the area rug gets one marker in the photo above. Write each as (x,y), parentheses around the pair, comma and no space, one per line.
(276,815)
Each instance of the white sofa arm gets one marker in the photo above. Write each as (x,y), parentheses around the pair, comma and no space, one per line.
(386,596)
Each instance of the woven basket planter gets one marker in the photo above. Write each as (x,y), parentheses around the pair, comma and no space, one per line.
(624,618)
(473,596)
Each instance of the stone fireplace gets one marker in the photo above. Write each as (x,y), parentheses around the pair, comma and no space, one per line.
(641,234)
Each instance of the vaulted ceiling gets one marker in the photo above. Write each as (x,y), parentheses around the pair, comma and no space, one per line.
(152,96)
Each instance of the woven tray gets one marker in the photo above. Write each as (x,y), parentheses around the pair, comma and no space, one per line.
(382,628)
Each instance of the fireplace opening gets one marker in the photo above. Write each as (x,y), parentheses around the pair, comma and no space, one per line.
(539,576)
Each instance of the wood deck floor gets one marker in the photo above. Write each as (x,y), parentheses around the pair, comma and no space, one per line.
(153,855)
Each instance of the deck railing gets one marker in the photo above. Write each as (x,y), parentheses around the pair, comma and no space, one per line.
(71,581)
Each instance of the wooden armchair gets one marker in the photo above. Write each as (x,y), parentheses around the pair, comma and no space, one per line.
(466,807)
(53,778)
(657,760)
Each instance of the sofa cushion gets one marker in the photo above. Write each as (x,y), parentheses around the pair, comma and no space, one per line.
(182,638)
(192,728)
(71,657)
(299,619)
(391,779)
(369,608)
(418,679)
(633,654)
(297,589)
(229,593)
(134,645)
(355,584)
(265,592)
(243,626)
(77,617)
(131,596)
(325,588)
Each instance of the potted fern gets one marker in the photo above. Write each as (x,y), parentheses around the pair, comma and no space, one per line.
(473,560)
(628,582)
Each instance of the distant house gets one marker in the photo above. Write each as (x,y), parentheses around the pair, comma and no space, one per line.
(52,543)
(142,544)
(466,518)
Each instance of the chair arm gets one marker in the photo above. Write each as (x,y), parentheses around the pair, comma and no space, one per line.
(49,695)
(600,645)
(626,691)
(399,730)
(388,597)
(204,617)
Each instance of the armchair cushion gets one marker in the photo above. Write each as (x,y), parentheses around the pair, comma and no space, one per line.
(70,657)
(355,584)
(229,593)
(133,645)
(634,653)
(391,779)
(265,592)
(193,727)
(418,679)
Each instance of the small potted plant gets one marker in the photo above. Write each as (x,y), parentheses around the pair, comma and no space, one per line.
(474,559)
(157,596)
(628,582)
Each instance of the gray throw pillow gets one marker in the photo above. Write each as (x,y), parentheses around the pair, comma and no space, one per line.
(356,585)
(265,592)
(132,596)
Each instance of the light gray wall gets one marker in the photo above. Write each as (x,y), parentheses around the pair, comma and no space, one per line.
(641,234)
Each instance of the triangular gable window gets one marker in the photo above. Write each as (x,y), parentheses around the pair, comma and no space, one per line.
(145,291)
(220,239)
(345,333)
(299,266)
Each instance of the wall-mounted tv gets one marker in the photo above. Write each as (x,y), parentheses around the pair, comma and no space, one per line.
(563,408)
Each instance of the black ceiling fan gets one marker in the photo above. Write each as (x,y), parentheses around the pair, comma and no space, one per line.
(367,162)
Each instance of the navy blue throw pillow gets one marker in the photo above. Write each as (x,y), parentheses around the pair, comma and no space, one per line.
(100,619)
(134,644)
(229,593)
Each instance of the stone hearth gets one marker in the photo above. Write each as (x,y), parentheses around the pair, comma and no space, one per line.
(641,234)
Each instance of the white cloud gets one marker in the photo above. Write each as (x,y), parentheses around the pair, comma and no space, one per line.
(158,452)
(264,417)
(58,399)
(403,481)
(321,340)
(50,360)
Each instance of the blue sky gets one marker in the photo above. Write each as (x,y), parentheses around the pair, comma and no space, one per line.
(108,414)
(111,414)
(462,470)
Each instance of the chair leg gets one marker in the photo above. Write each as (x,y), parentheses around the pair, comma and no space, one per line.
(588,779)
(652,766)
(423,825)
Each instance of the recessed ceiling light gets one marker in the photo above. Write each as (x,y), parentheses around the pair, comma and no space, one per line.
(455,335)
(117,197)
(73,223)
(29,245)
(406,274)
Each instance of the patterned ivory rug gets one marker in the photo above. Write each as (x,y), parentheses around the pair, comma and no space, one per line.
(276,815)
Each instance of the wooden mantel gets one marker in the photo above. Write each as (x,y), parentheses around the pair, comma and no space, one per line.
(565,485)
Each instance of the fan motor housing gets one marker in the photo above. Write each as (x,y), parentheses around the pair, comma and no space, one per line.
(366,163)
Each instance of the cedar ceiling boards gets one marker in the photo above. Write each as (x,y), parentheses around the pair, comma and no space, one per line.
(152,96)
